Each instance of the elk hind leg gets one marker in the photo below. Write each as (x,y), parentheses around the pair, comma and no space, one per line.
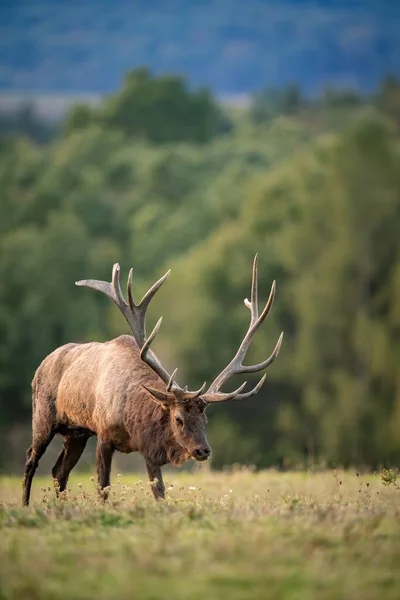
(33,455)
(73,447)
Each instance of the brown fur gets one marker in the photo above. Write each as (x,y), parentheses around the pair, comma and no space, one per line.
(82,390)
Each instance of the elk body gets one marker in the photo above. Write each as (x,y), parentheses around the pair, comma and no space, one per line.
(120,392)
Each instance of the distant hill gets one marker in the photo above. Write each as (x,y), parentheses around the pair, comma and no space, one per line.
(234,47)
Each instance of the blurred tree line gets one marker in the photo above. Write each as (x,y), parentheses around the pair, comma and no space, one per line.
(161,176)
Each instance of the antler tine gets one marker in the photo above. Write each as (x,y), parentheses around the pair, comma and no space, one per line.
(236,366)
(151,359)
(236,395)
(171,380)
(254,288)
(139,310)
(197,393)
(252,392)
(149,340)
(263,365)
(217,396)
(112,290)
(129,290)
(253,305)
(255,323)
(145,301)
(116,285)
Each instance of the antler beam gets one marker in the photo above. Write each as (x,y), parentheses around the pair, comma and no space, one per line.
(236,367)
(135,314)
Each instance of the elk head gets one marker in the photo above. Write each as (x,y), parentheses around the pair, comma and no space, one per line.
(186,411)
(186,408)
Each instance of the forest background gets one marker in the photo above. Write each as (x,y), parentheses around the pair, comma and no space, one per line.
(159,174)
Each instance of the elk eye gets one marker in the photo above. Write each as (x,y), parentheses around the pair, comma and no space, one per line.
(179,420)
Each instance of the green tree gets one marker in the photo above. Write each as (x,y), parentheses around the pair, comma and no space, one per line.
(342,254)
(272,102)
(161,109)
(80,116)
(388,98)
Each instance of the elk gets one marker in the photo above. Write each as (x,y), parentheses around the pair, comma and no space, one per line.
(119,391)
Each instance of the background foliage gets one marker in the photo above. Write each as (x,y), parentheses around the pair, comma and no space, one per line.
(162,176)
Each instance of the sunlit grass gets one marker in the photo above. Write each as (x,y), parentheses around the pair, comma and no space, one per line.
(246,535)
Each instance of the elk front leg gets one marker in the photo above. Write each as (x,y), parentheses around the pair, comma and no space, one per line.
(157,487)
(104,454)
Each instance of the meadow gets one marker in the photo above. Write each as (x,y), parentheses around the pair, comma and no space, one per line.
(239,534)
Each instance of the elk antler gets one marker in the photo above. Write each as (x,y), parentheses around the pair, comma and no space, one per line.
(236,366)
(135,314)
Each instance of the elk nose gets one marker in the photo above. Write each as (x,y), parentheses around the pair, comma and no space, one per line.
(202,453)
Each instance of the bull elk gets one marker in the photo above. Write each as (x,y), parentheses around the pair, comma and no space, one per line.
(119,391)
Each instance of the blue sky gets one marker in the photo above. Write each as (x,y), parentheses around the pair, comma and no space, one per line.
(231,46)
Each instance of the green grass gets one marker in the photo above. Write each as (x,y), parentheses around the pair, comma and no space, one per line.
(231,536)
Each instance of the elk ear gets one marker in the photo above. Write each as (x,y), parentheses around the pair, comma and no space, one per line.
(158,396)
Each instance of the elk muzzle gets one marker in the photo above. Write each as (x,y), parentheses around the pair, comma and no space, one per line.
(201,453)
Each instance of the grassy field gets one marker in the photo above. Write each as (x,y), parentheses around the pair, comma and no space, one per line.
(234,536)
